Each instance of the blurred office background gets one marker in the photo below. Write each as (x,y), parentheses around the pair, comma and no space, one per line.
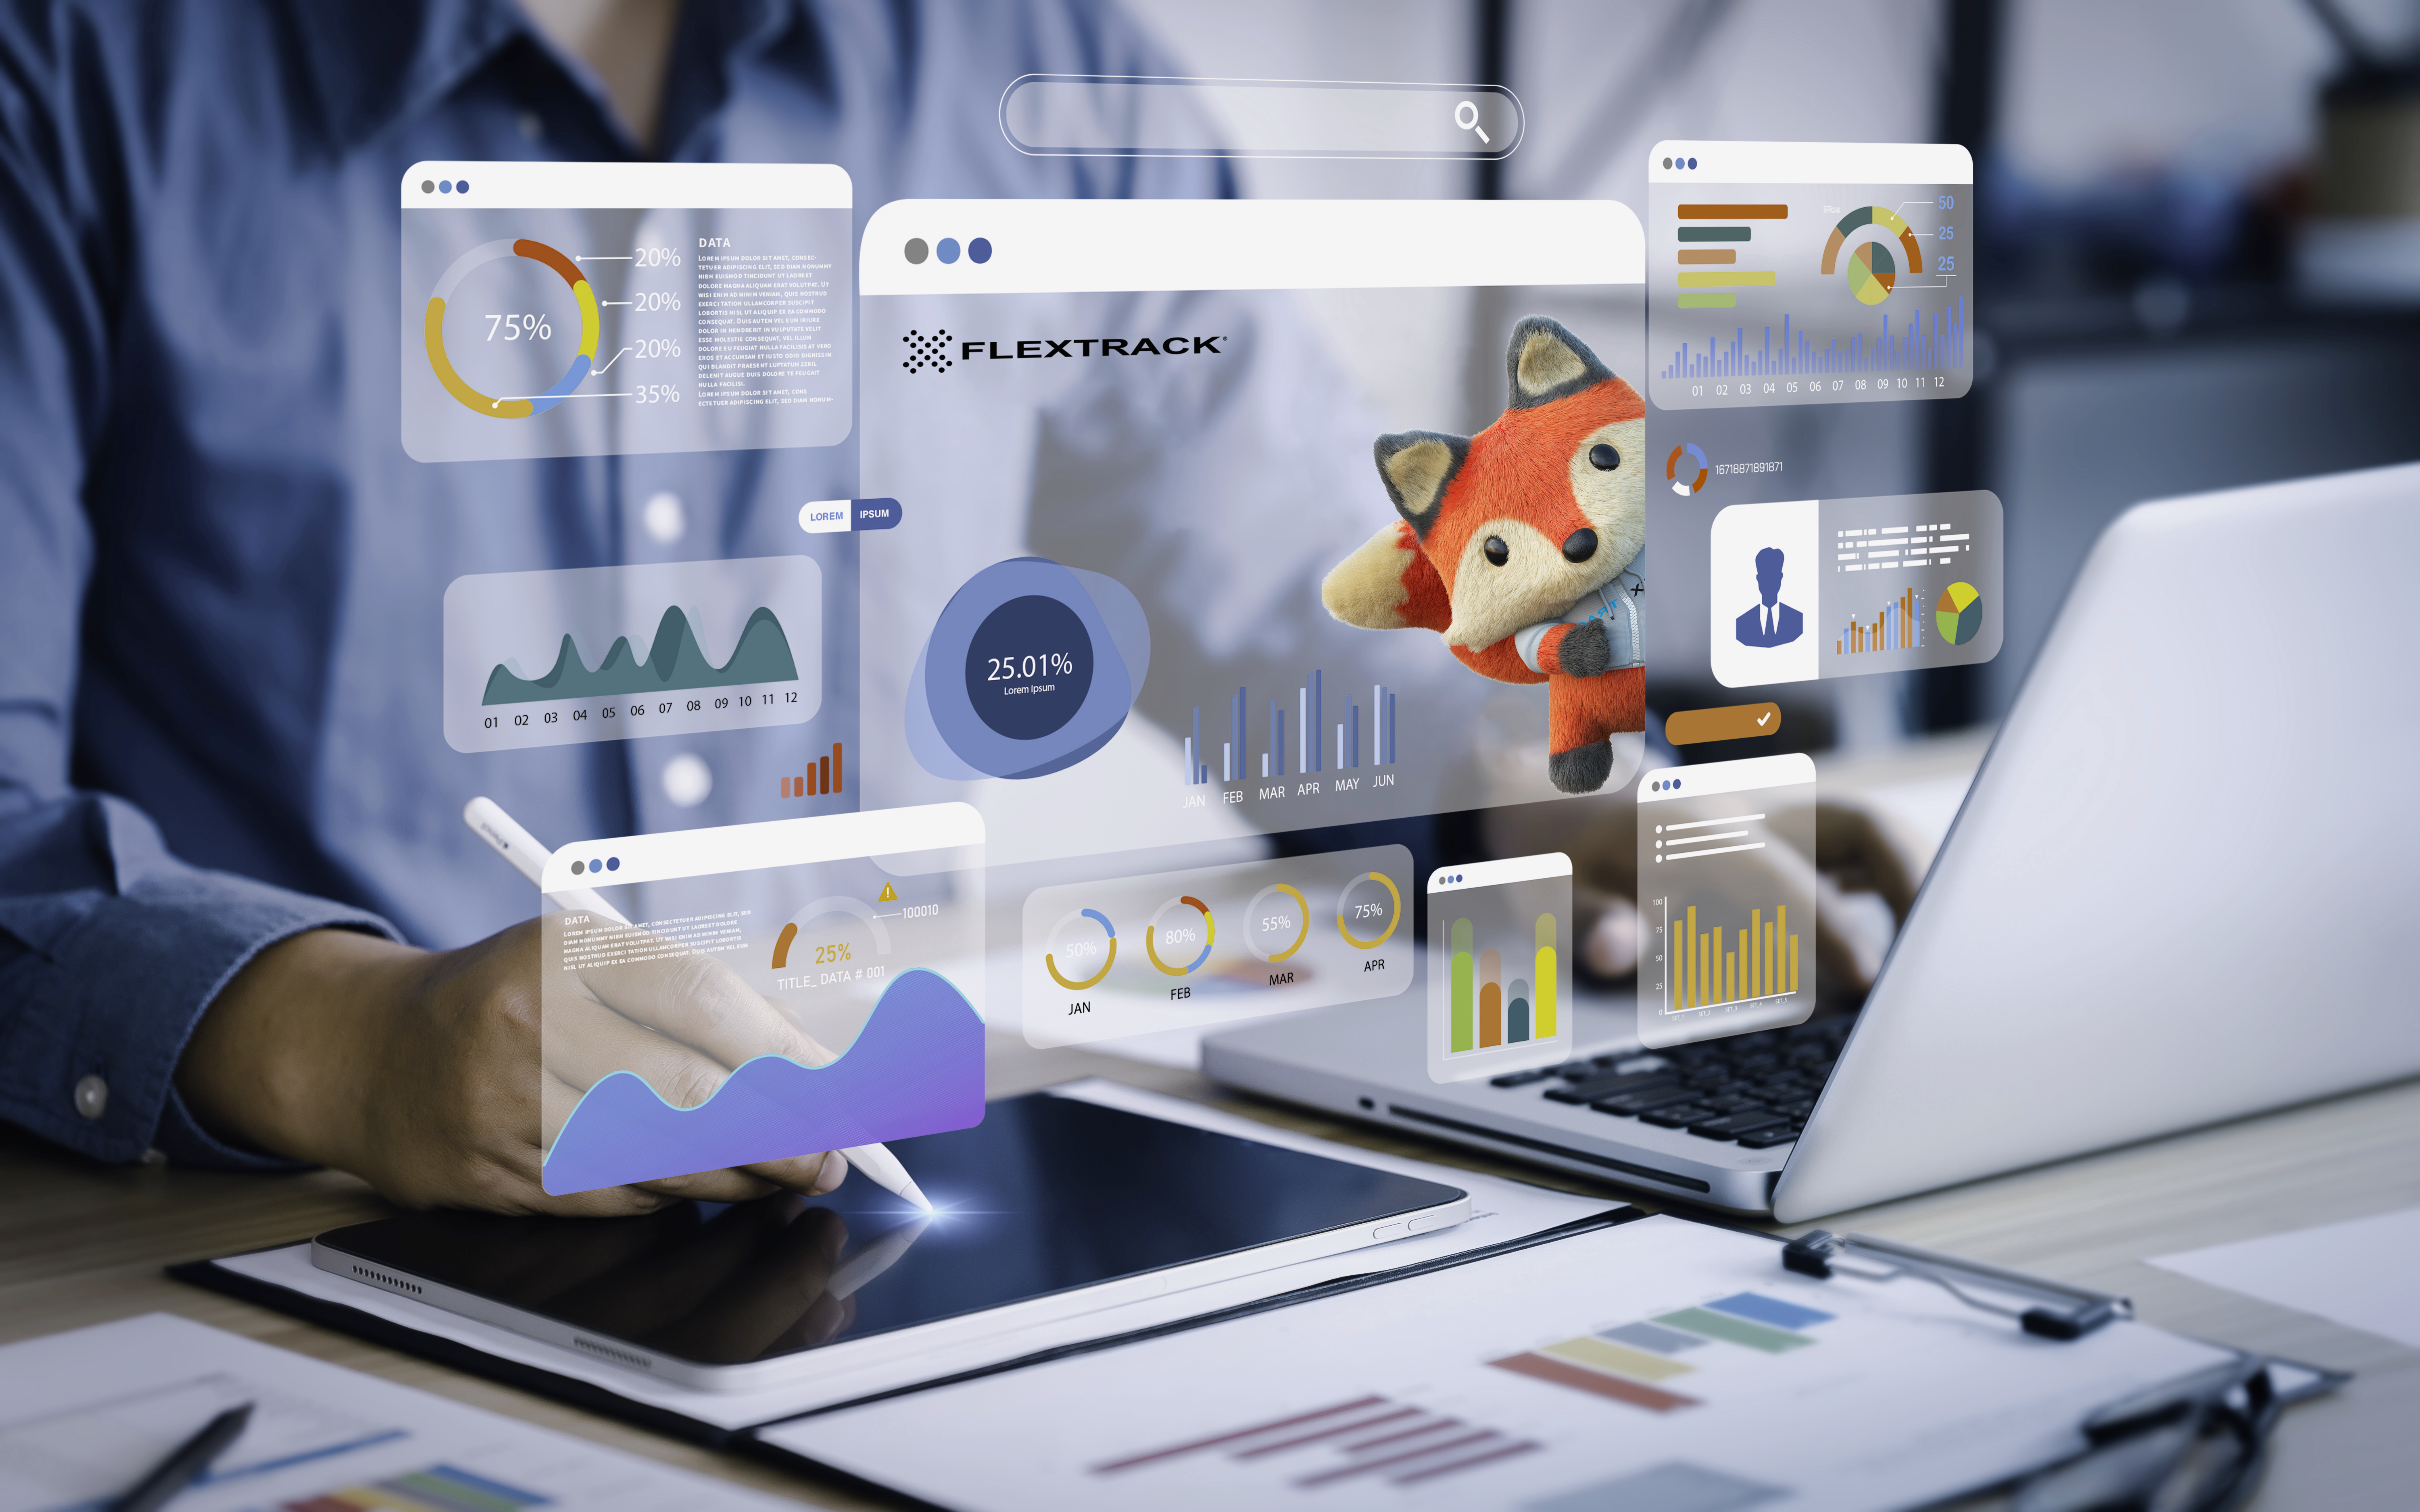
(2201,220)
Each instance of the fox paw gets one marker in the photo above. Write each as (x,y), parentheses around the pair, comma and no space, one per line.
(1584,769)
(1586,652)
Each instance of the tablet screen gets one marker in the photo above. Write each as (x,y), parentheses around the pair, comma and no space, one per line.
(1048,1194)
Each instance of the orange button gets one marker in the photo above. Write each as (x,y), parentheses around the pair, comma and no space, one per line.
(1740,722)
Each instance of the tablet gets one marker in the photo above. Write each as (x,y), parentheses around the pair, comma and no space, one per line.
(1049,1207)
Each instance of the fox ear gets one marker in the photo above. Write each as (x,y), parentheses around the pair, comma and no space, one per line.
(1546,362)
(1416,466)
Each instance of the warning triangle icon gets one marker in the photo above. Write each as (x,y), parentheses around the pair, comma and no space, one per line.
(890,894)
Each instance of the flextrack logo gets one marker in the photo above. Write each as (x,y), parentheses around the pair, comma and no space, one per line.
(926,351)
(938,352)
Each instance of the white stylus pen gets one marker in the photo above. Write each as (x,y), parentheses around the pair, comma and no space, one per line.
(490,822)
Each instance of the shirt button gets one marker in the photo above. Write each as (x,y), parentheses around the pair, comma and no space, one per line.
(666,518)
(688,780)
(92,1097)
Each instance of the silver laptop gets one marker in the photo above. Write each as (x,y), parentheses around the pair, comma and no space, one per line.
(2181,889)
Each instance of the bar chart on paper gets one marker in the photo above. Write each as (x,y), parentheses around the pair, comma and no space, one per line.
(1647,1363)
(1787,291)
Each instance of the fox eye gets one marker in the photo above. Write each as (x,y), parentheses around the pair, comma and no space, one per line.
(1604,458)
(1497,552)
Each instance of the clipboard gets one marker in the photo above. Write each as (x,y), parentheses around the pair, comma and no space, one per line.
(284,1279)
(1902,1396)
(792,1436)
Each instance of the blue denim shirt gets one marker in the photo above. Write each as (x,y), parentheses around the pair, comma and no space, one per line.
(221,579)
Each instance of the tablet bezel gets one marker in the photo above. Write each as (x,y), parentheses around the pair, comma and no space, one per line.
(329,1254)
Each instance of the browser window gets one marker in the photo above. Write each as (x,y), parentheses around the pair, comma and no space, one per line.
(1165,608)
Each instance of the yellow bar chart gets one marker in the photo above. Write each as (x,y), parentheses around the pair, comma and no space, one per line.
(1713,965)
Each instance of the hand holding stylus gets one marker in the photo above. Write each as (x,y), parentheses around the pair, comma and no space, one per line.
(681,1020)
(436,1075)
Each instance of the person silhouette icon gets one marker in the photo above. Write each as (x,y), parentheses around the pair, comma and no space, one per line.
(1770,623)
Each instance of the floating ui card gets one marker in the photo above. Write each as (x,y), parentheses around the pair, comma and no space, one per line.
(662,648)
(1212,944)
(1499,966)
(596,309)
(716,997)
(1809,273)
(1837,587)
(1726,898)
(1184,485)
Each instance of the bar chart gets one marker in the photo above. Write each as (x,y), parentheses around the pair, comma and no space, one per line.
(1365,1439)
(1320,741)
(1499,965)
(1719,967)
(1894,627)
(1639,1363)
(822,778)
(1490,1010)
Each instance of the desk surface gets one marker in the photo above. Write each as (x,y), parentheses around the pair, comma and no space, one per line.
(83,1244)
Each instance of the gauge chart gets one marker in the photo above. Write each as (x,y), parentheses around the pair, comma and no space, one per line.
(1213,945)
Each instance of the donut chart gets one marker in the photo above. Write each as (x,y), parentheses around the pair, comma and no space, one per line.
(1209,936)
(1394,910)
(1051,963)
(1253,915)
(433,330)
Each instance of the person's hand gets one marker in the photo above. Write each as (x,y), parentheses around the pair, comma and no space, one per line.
(428,1074)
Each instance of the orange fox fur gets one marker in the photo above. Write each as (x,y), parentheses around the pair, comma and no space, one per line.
(1520,525)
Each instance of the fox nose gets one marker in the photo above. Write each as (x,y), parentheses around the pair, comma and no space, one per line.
(1579,546)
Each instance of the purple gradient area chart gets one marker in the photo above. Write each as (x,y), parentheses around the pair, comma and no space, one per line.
(915,1069)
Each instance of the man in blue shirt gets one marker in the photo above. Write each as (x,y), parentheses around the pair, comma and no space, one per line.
(228,812)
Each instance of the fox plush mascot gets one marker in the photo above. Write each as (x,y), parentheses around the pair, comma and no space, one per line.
(1522,546)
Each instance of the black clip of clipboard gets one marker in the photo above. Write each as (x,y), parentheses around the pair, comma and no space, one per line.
(2048,1309)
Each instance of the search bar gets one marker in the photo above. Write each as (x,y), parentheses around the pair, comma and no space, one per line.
(1059,115)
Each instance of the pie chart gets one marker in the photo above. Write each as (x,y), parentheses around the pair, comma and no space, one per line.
(1959,613)
(1872,273)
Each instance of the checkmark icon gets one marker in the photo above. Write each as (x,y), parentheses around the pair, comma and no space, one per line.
(1761,717)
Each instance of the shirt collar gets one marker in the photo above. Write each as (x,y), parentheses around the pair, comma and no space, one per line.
(376,64)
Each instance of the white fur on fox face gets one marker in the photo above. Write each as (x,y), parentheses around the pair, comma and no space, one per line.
(1614,502)
(1535,583)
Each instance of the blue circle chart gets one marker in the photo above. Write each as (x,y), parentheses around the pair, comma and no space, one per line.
(1029,668)
(1089,647)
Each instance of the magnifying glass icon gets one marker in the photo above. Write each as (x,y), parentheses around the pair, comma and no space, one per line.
(1466,117)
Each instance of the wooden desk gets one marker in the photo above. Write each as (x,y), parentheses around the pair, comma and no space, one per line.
(81,1243)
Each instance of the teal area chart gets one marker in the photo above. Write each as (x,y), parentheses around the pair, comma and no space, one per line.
(575,655)
(916,1068)
(674,662)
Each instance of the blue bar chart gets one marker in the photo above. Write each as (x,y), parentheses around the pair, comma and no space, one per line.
(1308,744)
(1935,344)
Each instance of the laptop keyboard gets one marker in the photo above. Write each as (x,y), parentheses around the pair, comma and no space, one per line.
(1755,1090)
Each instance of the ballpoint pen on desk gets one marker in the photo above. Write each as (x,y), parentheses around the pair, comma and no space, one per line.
(488,821)
(186,1463)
